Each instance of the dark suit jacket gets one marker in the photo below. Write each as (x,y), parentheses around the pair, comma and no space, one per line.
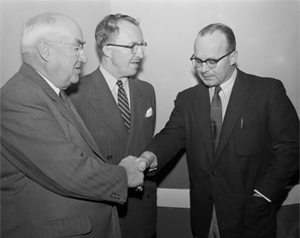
(258,149)
(97,107)
(54,181)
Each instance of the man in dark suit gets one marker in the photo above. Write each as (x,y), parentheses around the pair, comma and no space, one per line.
(54,180)
(242,142)
(121,48)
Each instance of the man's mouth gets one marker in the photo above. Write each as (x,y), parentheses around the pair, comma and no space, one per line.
(135,63)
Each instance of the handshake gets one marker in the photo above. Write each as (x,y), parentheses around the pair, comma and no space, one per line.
(135,168)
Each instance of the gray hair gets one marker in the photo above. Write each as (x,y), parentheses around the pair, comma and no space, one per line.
(37,28)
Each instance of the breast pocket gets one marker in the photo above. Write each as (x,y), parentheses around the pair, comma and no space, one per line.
(249,137)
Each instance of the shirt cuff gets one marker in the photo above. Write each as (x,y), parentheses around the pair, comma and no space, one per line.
(262,195)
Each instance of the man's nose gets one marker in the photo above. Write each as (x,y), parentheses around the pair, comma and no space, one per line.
(82,57)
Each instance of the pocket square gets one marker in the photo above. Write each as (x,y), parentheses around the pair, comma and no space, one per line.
(149,112)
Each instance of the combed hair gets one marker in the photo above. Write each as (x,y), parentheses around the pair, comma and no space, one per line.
(108,29)
(37,28)
(226,30)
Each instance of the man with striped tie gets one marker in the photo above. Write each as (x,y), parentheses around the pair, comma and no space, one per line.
(119,110)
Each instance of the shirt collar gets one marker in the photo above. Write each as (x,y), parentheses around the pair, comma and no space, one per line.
(111,80)
(56,89)
(227,85)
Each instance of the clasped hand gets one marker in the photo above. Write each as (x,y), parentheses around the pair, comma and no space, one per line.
(135,168)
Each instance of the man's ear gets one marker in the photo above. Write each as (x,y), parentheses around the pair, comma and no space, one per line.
(43,50)
(233,58)
(106,51)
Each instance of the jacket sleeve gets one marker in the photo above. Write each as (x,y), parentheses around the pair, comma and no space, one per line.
(283,129)
(36,139)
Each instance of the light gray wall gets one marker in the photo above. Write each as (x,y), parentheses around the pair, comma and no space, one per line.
(267,34)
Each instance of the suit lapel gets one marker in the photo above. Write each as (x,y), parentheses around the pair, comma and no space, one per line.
(105,105)
(137,113)
(238,99)
(202,111)
(35,77)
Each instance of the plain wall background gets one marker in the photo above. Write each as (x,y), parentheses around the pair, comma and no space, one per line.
(267,34)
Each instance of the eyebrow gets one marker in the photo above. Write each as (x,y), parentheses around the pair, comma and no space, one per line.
(80,42)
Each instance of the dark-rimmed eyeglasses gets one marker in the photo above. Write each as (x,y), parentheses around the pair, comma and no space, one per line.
(134,47)
(78,47)
(211,63)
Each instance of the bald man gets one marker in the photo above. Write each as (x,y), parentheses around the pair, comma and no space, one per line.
(54,180)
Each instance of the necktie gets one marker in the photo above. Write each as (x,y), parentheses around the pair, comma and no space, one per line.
(79,122)
(123,104)
(216,116)
(63,96)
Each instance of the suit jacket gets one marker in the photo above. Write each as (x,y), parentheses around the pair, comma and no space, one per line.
(54,181)
(96,105)
(258,149)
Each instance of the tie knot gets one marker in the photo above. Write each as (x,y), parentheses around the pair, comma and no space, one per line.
(120,83)
(218,89)
(63,95)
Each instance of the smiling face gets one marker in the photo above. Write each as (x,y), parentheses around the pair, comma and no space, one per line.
(213,46)
(67,55)
(122,62)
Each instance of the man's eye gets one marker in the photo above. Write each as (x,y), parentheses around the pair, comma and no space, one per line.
(198,61)
(212,62)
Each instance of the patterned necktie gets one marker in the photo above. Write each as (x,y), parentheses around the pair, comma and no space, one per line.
(123,104)
(216,116)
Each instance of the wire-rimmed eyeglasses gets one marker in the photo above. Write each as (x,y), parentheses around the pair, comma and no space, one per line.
(211,63)
(78,47)
(134,47)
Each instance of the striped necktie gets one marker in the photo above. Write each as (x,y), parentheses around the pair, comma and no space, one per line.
(123,104)
(216,116)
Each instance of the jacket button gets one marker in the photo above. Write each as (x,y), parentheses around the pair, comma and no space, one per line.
(210,197)
(214,173)
(148,195)
(109,157)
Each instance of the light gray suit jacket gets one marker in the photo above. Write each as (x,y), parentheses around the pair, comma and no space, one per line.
(54,181)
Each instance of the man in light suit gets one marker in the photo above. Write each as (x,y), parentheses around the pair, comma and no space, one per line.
(54,180)
(121,48)
(237,174)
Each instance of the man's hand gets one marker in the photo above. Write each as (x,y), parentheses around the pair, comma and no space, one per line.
(134,175)
(147,160)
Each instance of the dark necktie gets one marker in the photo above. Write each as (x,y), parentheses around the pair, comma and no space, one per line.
(63,96)
(216,116)
(123,104)
(79,122)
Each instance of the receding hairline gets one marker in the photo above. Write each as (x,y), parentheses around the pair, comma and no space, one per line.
(56,23)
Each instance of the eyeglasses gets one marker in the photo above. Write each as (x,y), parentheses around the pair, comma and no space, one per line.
(78,47)
(211,63)
(134,48)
